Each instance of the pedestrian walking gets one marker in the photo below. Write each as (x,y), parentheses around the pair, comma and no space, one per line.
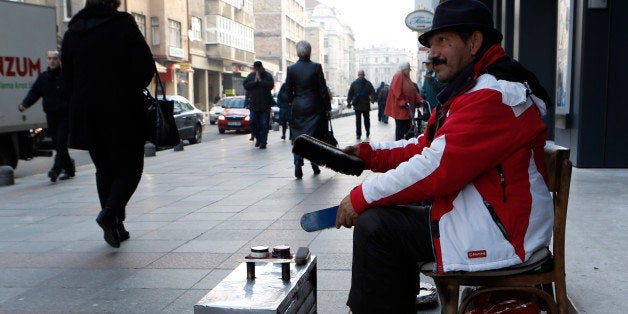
(106,106)
(402,96)
(258,85)
(50,87)
(311,105)
(361,94)
(283,102)
(382,95)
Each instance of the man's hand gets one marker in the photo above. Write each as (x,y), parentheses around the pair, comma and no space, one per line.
(346,215)
(257,77)
(21,108)
(352,150)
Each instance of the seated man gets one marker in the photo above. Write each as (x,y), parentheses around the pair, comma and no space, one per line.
(480,161)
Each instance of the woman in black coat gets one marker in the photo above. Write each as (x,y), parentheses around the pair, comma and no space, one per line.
(106,65)
(311,106)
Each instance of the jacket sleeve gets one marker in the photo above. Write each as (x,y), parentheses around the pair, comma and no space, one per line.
(475,137)
(248,82)
(144,68)
(34,93)
(289,85)
(267,81)
(350,93)
(323,89)
(68,68)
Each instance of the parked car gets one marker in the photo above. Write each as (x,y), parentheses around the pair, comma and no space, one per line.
(338,104)
(234,115)
(214,112)
(190,120)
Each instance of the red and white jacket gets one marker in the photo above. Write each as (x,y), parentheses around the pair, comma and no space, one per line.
(488,150)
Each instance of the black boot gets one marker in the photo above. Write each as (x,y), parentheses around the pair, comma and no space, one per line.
(53,174)
(298,172)
(124,235)
(109,223)
(316,169)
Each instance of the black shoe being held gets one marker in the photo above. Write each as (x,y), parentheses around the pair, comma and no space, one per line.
(109,224)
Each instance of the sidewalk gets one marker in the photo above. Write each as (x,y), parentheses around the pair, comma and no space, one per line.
(197,212)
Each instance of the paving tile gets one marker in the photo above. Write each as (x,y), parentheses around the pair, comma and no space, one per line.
(162,279)
(189,261)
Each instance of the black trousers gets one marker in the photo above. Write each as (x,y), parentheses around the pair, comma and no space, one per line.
(401,127)
(58,128)
(358,122)
(118,172)
(388,244)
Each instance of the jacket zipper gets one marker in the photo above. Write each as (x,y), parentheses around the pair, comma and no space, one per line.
(502,180)
(496,219)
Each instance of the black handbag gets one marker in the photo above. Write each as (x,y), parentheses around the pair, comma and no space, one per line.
(328,135)
(161,128)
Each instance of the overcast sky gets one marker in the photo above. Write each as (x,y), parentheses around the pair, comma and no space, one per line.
(377,22)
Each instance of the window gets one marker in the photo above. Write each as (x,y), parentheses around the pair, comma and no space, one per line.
(154,30)
(196,29)
(67,9)
(221,30)
(174,33)
(141,23)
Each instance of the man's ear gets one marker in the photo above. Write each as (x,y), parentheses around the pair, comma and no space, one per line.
(476,40)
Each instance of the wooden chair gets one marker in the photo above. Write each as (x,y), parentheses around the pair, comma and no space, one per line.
(549,285)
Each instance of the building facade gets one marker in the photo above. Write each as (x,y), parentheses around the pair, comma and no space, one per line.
(381,63)
(339,55)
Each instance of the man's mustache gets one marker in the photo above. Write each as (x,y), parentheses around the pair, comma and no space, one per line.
(437,61)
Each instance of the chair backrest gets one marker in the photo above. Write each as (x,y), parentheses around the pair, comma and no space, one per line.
(558,182)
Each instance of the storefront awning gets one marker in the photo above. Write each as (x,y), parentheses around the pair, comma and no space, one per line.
(160,68)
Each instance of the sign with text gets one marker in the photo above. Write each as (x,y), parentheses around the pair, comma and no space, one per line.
(420,20)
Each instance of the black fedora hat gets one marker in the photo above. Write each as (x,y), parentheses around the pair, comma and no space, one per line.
(462,15)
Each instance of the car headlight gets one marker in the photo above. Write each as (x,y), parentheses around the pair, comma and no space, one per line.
(213,111)
(246,118)
(221,117)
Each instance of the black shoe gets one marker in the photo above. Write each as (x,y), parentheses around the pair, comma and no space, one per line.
(283,137)
(257,144)
(358,138)
(251,138)
(298,172)
(262,146)
(66,175)
(124,235)
(53,174)
(368,134)
(316,169)
(109,224)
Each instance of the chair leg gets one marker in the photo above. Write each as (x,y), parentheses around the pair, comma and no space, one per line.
(448,295)
(561,295)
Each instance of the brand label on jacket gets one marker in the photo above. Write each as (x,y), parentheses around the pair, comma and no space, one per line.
(476,254)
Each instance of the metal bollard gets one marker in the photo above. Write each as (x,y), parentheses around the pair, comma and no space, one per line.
(149,149)
(179,147)
(6,176)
